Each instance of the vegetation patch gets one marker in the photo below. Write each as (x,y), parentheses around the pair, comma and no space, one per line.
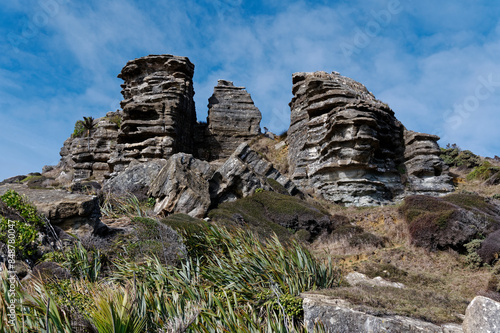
(453,156)
(270,212)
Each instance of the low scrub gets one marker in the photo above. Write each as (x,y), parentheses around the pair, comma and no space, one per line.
(231,282)
(451,221)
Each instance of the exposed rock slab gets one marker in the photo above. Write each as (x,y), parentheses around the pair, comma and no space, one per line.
(339,316)
(232,119)
(158,110)
(355,278)
(243,173)
(426,171)
(482,315)
(136,179)
(77,214)
(182,186)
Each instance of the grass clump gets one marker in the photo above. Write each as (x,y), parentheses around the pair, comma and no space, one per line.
(483,171)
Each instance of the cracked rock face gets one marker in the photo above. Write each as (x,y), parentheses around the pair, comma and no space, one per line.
(158,110)
(343,143)
(232,119)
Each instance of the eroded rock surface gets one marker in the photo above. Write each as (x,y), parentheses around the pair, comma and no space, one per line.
(339,316)
(348,147)
(158,110)
(232,119)
(136,179)
(182,186)
(77,214)
(426,171)
(243,173)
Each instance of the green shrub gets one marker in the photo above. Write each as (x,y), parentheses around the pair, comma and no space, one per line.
(115,119)
(79,129)
(14,200)
(455,157)
(473,260)
(25,237)
(483,172)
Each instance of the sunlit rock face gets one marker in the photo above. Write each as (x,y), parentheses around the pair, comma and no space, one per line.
(348,147)
(158,110)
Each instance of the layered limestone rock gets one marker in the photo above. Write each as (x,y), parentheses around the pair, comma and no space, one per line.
(158,110)
(232,119)
(86,157)
(343,143)
(74,213)
(426,171)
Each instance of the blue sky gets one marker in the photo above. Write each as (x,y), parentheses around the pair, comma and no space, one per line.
(437,64)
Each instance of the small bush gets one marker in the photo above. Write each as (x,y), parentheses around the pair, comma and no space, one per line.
(473,260)
(455,157)
(79,129)
(483,172)
(115,119)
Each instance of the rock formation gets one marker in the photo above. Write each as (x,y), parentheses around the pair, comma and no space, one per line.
(232,119)
(74,213)
(482,315)
(85,157)
(182,186)
(426,171)
(348,147)
(340,316)
(158,110)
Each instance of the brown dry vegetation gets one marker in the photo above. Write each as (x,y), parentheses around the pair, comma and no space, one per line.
(439,284)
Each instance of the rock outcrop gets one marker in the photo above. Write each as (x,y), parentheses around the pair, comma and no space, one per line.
(243,173)
(232,119)
(348,147)
(182,186)
(426,171)
(339,316)
(85,157)
(74,213)
(158,110)
(482,315)
(136,179)
(343,143)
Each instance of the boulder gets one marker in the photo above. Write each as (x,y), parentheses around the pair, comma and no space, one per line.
(182,186)
(339,316)
(74,213)
(136,179)
(482,315)
(356,278)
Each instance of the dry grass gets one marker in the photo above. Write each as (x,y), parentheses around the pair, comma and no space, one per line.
(439,285)
(278,157)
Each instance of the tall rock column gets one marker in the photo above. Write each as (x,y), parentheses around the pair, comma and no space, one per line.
(344,144)
(158,110)
(232,119)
